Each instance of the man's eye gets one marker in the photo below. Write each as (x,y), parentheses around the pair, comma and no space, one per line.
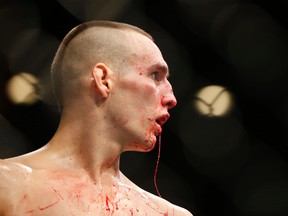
(155,76)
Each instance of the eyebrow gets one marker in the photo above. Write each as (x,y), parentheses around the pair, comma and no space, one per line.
(161,67)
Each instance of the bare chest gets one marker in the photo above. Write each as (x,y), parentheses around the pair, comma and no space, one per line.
(82,198)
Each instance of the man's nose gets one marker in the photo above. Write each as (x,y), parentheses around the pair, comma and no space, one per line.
(169,100)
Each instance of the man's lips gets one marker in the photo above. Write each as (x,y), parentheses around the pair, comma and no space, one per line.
(160,122)
(158,130)
(162,119)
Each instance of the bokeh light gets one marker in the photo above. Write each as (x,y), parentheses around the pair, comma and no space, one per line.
(22,89)
(213,100)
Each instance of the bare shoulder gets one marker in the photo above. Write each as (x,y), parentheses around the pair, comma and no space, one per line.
(10,168)
(159,202)
(182,211)
(172,208)
(12,175)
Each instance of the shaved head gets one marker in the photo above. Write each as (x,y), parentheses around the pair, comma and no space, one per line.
(87,44)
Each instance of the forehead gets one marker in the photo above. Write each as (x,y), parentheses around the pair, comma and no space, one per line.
(145,53)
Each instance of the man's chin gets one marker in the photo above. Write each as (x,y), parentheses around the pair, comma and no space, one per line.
(149,144)
(145,145)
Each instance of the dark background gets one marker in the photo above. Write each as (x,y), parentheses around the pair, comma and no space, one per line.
(222,165)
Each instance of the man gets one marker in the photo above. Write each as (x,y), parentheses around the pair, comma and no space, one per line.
(110,81)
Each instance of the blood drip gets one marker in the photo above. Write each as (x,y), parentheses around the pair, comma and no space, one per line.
(157,164)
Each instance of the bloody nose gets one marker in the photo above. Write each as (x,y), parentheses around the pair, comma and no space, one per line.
(169,101)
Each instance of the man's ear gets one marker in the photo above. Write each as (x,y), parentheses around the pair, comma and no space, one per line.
(101,75)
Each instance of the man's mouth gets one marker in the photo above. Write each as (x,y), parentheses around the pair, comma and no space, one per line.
(160,122)
(162,119)
(158,130)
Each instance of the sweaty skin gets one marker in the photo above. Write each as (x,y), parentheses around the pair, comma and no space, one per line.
(107,108)
(52,192)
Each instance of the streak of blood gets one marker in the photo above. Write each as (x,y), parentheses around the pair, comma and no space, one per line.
(48,206)
(157,164)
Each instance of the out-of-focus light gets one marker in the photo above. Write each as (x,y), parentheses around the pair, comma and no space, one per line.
(21,88)
(213,100)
